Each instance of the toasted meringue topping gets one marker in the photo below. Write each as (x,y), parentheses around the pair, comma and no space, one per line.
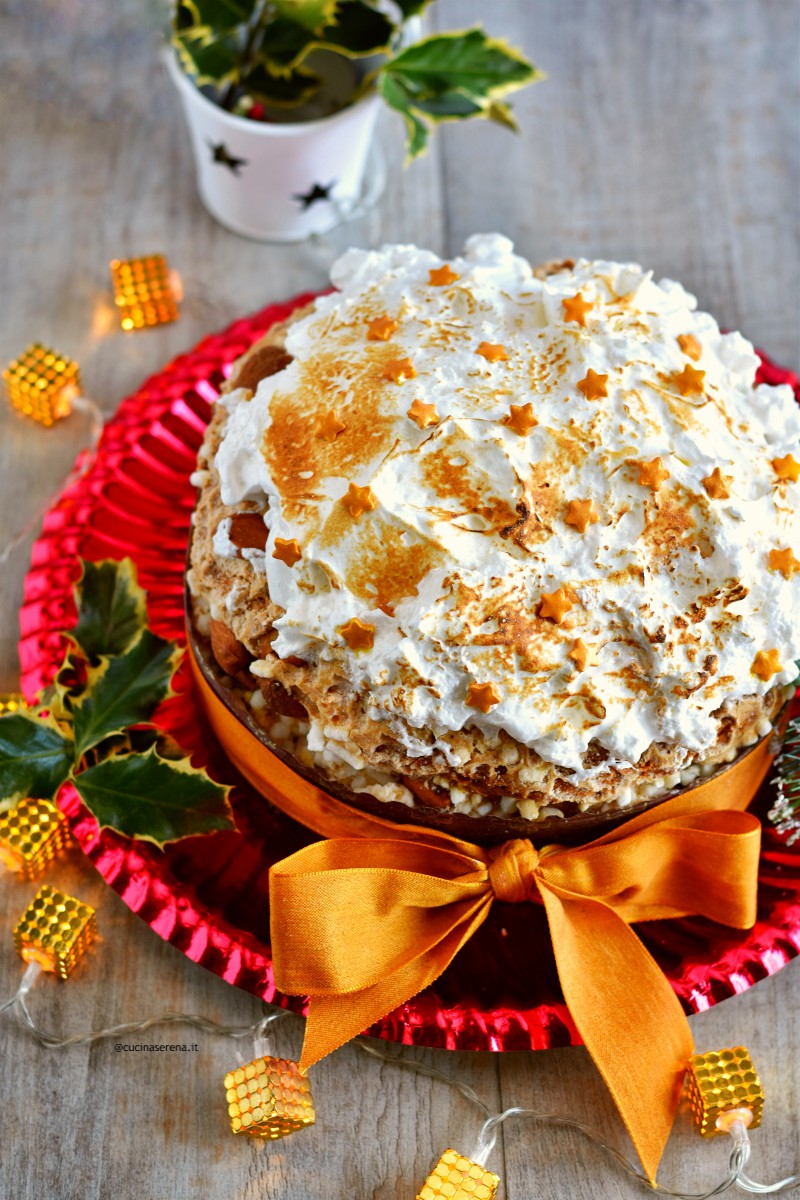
(445,538)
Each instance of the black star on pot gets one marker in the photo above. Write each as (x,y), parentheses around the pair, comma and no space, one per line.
(318,192)
(221,154)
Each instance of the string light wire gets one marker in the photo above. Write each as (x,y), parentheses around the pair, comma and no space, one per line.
(86,460)
(18,1006)
(487,1137)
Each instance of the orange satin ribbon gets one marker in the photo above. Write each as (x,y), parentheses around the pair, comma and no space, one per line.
(365,920)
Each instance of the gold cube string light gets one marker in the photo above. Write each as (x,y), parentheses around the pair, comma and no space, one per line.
(144,292)
(55,931)
(11,702)
(722,1080)
(42,384)
(269,1098)
(458,1178)
(32,835)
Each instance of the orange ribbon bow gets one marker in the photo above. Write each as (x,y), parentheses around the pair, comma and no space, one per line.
(362,922)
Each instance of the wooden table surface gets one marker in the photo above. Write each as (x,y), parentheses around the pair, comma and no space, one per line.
(667,133)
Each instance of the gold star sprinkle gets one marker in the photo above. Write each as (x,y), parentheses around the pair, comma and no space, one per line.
(786,468)
(554,606)
(358,635)
(652,474)
(690,346)
(329,426)
(423,414)
(576,308)
(492,352)
(783,561)
(582,655)
(766,664)
(520,418)
(287,551)
(717,485)
(483,696)
(441,276)
(358,500)
(381,329)
(581,514)
(689,381)
(399,370)
(593,385)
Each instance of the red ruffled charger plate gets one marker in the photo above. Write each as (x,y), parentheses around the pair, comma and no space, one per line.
(209,895)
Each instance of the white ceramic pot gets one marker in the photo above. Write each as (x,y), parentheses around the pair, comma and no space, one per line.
(276,182)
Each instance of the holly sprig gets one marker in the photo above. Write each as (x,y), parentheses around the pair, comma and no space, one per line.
(268,52)
(93,726)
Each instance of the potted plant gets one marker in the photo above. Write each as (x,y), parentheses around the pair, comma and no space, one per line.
(281,97)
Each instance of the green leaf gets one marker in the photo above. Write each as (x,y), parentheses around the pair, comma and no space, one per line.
(313,15)
(454,106)
(358,30)
(146,796)
(412,8)
(501,114)
(401,100)
(470,62)
(212,15)
(209,59)
(453,76)
(283,44)
(35,757)
(112,608)
(295,88)
(124,690)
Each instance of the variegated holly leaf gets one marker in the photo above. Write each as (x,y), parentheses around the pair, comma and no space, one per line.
(213,15)
(398,97)
(112,608)
(357,31)
(209,59)
(412,8)
(453,76)
(156,799)
(35,758)
(124,690)
(313,15)
(293,88)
